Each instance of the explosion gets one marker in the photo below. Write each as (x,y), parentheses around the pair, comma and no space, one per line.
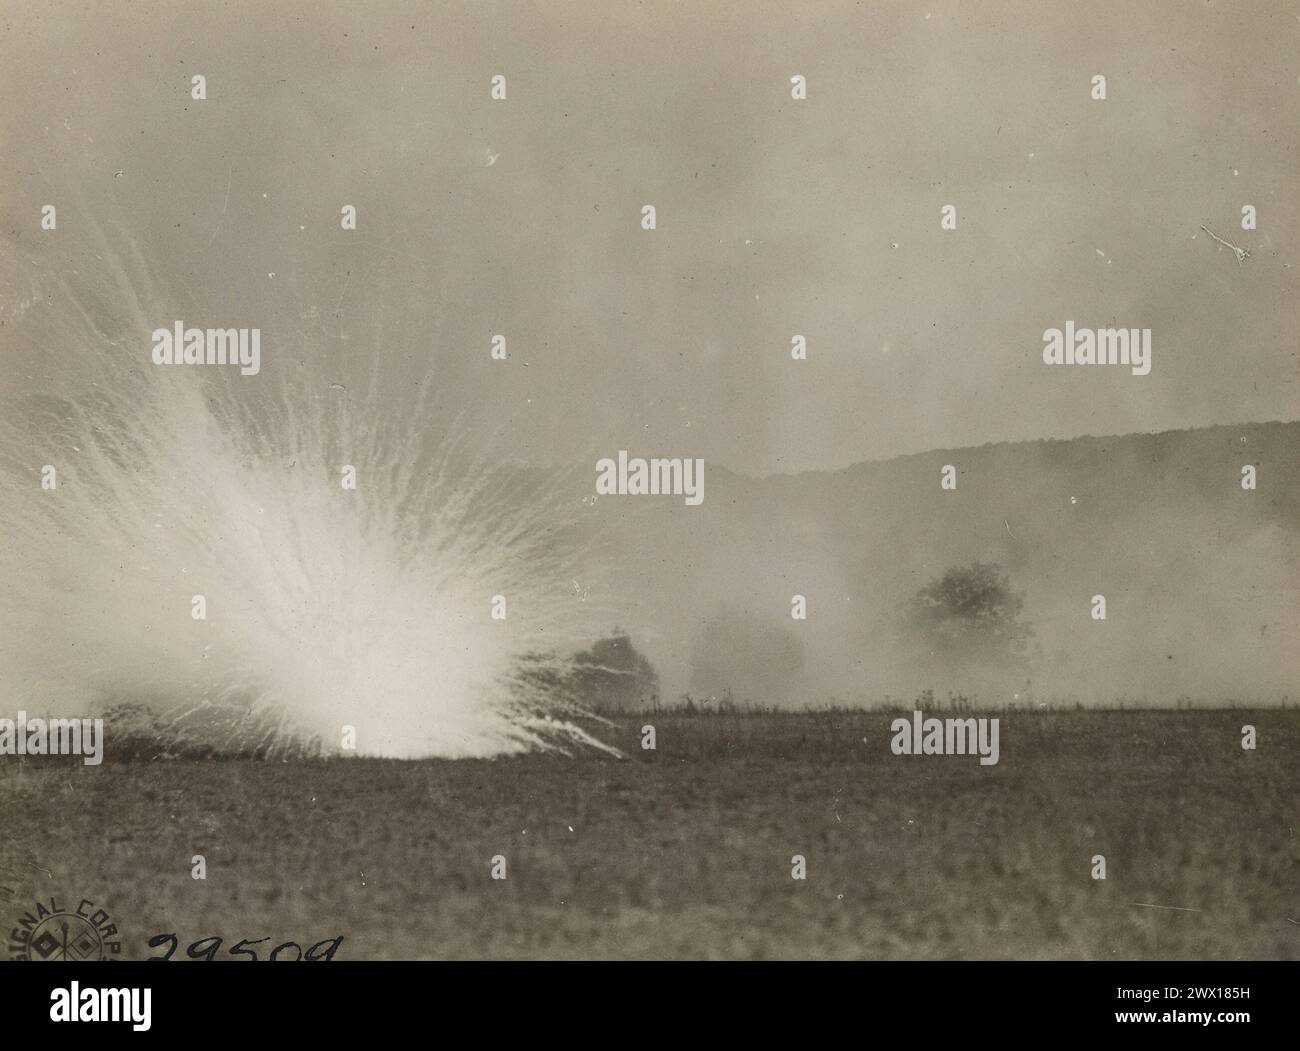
(283,555)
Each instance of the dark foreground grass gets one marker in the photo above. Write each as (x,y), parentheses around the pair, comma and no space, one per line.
(686,851)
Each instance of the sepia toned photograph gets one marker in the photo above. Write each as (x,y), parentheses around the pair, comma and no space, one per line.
(667,481)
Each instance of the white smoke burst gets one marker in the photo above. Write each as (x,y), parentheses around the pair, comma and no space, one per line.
(325,607)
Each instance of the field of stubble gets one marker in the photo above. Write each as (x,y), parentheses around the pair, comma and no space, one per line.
(685,851)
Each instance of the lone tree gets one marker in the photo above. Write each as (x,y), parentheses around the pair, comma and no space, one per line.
(613,676)
(970,615)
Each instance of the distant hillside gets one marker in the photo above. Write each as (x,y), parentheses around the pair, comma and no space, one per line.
(1201,578)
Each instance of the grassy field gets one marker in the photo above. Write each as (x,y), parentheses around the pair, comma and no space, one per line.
(685,851)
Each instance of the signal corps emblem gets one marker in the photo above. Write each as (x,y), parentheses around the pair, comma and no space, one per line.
(50,932)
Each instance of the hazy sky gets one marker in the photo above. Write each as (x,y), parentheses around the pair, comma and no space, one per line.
(775,217)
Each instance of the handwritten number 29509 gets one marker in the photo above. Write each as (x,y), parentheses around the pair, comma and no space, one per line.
(207,948)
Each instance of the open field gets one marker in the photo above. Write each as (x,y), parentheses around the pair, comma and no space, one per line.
(685,851)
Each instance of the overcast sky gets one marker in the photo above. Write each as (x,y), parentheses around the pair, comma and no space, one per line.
(775,217)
